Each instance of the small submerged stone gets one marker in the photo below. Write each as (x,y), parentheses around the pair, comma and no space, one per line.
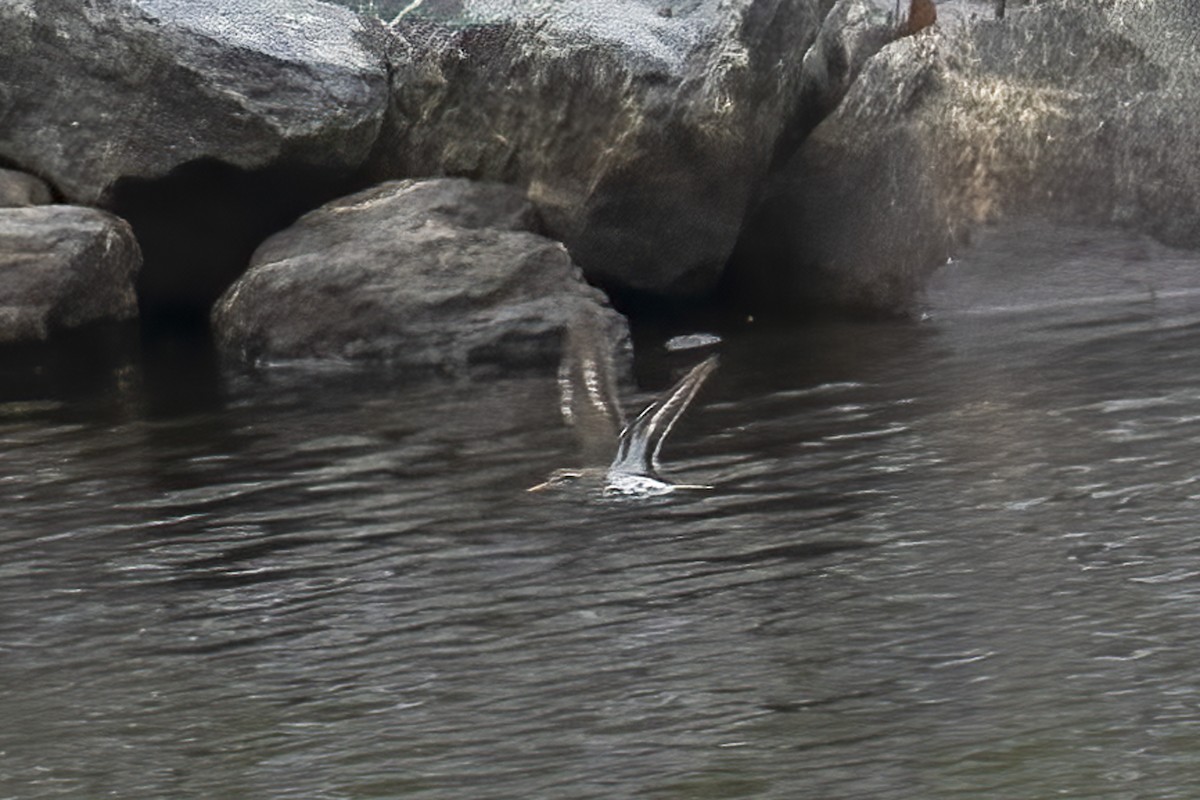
(692,341)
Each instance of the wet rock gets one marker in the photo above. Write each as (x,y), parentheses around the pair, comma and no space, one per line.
(851,33)
(443,274)
(857,219)
(18,189)
(63,267)
(94,94)
(1078,111)
(641,129)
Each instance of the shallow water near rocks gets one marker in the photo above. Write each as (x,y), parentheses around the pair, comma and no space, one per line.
(946,558)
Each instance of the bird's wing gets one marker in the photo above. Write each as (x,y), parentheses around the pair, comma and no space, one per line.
(642,439)
(587,387)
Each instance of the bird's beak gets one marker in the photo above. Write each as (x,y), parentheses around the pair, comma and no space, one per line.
(539,487)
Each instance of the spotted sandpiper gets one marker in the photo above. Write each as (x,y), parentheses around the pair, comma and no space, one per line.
(589,403)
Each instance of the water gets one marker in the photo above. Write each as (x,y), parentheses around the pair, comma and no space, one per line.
(952,558)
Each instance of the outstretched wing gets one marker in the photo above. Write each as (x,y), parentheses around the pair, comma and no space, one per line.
(587,387)
(642,439)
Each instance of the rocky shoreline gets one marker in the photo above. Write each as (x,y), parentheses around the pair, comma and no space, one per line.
(444,188)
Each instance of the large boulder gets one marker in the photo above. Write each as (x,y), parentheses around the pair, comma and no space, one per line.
(19,189)
(1081,111)
(114,89)
(442,275)
(641,129)
(62,267)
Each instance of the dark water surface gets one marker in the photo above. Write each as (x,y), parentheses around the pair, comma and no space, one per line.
(952,558)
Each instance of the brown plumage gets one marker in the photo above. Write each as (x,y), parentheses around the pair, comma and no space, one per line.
(921,14)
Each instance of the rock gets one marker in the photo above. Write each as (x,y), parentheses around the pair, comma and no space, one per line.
(951,13)
(115,90)
(444,275)
(18,189)
(1077,111)
(999,7)
(641,129)
(855,221)
(63,267)
(1021,266)
(852,32)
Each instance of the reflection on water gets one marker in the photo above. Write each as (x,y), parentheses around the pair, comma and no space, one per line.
(945,559)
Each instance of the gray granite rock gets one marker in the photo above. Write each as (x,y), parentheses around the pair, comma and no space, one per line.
(442,275)
(63,267)
(1082,111)
(18,189)
(94,93)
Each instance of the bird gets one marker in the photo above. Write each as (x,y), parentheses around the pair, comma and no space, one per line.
(587,386)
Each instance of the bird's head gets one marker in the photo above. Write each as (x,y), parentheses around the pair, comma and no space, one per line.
(558,478)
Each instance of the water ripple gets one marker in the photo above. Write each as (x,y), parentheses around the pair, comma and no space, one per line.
(953,559)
